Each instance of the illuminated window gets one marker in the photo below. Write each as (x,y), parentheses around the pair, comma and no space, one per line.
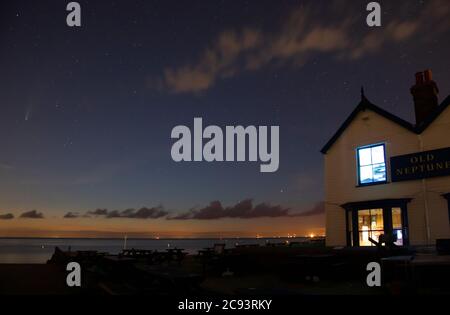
(371,164)
(379,221)
(370,226)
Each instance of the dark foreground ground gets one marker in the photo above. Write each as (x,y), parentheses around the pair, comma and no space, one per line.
(282,270)
(33,279)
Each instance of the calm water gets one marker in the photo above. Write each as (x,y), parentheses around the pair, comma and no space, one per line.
(40,250)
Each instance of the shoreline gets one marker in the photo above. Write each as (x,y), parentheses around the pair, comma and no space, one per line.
(164,238)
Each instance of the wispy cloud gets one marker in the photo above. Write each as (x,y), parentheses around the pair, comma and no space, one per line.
(303,34)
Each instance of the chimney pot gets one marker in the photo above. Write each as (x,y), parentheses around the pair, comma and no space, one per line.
(428,75)
(425,93)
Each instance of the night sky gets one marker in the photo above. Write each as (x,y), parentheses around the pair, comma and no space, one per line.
(86,113)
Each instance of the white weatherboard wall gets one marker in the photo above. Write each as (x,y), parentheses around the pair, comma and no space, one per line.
(368,128)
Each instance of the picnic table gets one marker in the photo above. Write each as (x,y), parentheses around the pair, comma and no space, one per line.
(176,254)
(206,251)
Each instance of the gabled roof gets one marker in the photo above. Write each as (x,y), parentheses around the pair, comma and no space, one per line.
(366,104)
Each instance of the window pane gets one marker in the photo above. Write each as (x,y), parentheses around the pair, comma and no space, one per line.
(399,235)
(364,220)
(396,218)
(364,238)
(378,154)
(365,157)
(376,219)
(379,172)
(366,174)
(372,164)
(370,225)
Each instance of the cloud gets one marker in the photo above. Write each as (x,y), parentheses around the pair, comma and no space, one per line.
(317,209)
(147,213)
(246,210)
(142,213)
(98,212)
(242,210)
(7,216)
(33,214)
(432,19)
(216,61)
(304,33)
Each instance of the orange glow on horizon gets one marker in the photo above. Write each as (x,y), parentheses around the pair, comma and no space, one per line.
(53,227)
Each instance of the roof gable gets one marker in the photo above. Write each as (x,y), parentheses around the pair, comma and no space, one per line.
(366,104)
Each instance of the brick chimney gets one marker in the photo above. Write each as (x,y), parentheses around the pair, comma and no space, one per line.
(425,93)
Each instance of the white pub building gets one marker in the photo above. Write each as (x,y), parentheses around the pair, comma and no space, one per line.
(387,177)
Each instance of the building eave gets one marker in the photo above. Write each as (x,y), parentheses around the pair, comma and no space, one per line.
(365,104)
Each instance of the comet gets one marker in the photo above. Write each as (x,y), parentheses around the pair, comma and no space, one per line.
(28,112)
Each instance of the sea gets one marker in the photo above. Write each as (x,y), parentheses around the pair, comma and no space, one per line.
(39,250)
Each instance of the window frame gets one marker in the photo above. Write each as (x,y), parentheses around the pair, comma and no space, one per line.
(352,209)
(370,230)
(358,170)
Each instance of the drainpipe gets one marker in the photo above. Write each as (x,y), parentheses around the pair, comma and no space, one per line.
(425,199)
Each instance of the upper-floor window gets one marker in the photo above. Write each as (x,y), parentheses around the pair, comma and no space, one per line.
(371,164)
